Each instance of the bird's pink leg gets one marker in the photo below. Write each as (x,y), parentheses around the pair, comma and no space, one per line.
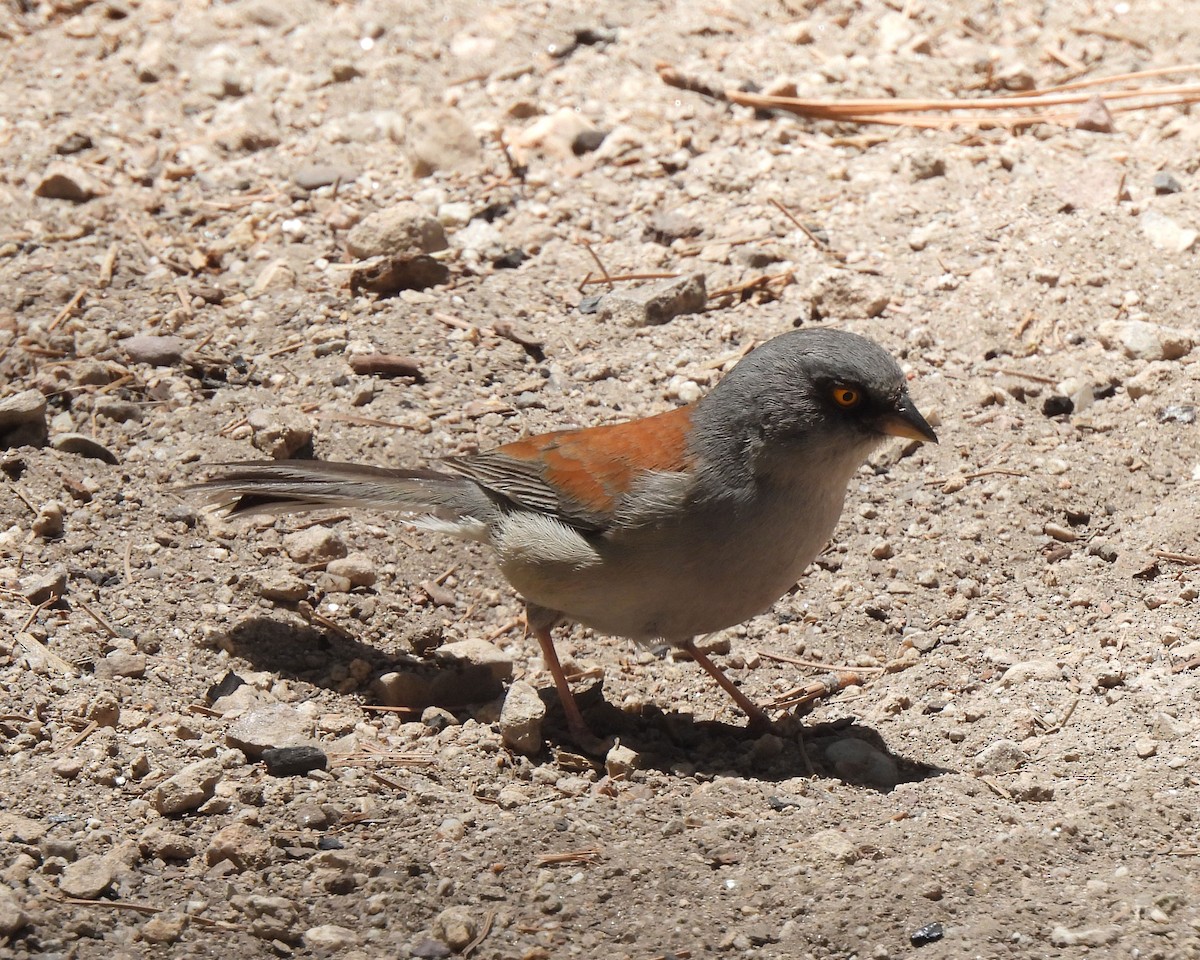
(579,730)
(759,721)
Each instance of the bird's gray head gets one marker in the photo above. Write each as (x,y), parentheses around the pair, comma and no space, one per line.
(810,391)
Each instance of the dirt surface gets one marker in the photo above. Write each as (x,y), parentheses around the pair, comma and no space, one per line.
(1018,760)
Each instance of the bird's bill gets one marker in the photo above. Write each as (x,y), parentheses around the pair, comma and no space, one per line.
(906,421)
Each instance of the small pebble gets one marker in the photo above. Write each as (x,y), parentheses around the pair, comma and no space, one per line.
(521,718)
(87,878)
(405,229)
(12,914)
(621,762)
(455,926)
(658,303)
(1003,756)
(323,175)
(294,761)
(1060,533)
(313,545)
(66,181)
(48,524)
(154,350)
(1164,182)
(188,789)
(83,446)
(930,933)
(358,568)
(164,928)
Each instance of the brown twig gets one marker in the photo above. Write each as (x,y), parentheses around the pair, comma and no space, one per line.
(607,277)
(71,305)
(587,855)
(104,624)
(108,265)
(331,625)
(1113,35)
(610,280)
(387,782)
(813,238)
(915,110)
(34,646)
(1183,665)
(818,689)
(673,78)
(317,521)
(370,758)
(484,929)
(501,631)
(990,472)
(515,169)
(89,728)
(385,365)
(1021,374)
(363,421)
(1188,559)
(815,665)
(763,280)
(145,908)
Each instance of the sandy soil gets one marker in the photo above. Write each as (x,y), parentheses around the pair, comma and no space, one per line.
(1018,762)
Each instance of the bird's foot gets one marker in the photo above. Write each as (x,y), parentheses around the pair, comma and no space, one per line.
(759,723)
(588,742)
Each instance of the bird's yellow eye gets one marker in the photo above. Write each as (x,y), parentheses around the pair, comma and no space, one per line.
(846,396)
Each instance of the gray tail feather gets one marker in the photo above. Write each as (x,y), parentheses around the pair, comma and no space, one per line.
(292,486)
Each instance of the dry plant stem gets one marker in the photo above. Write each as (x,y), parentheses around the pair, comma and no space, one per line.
(104,624)
(142,908)
(371,758)
(67,310)
(763,280)
(1118,37)
(108,266)
(815,664)
(587,855)
(502,630)
(1119,77)
(1022,374)
(866,106)
(607,277)
(385,365)
(589,280)
(673,78)
(388,782)
(816,241)
(978,474)
(819,688)
(1185,558)
(91,727)
(363,421)
(484,929)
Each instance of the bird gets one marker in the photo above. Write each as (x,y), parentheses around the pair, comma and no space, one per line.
(661,529)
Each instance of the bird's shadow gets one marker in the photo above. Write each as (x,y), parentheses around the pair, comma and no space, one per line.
(680,744)
(671,742)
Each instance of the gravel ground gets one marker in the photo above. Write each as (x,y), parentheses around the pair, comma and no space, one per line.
(373,231)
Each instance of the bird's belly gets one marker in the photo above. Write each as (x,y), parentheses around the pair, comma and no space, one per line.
(672,582)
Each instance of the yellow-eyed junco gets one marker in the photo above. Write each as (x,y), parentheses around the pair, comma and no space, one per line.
(665,528)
